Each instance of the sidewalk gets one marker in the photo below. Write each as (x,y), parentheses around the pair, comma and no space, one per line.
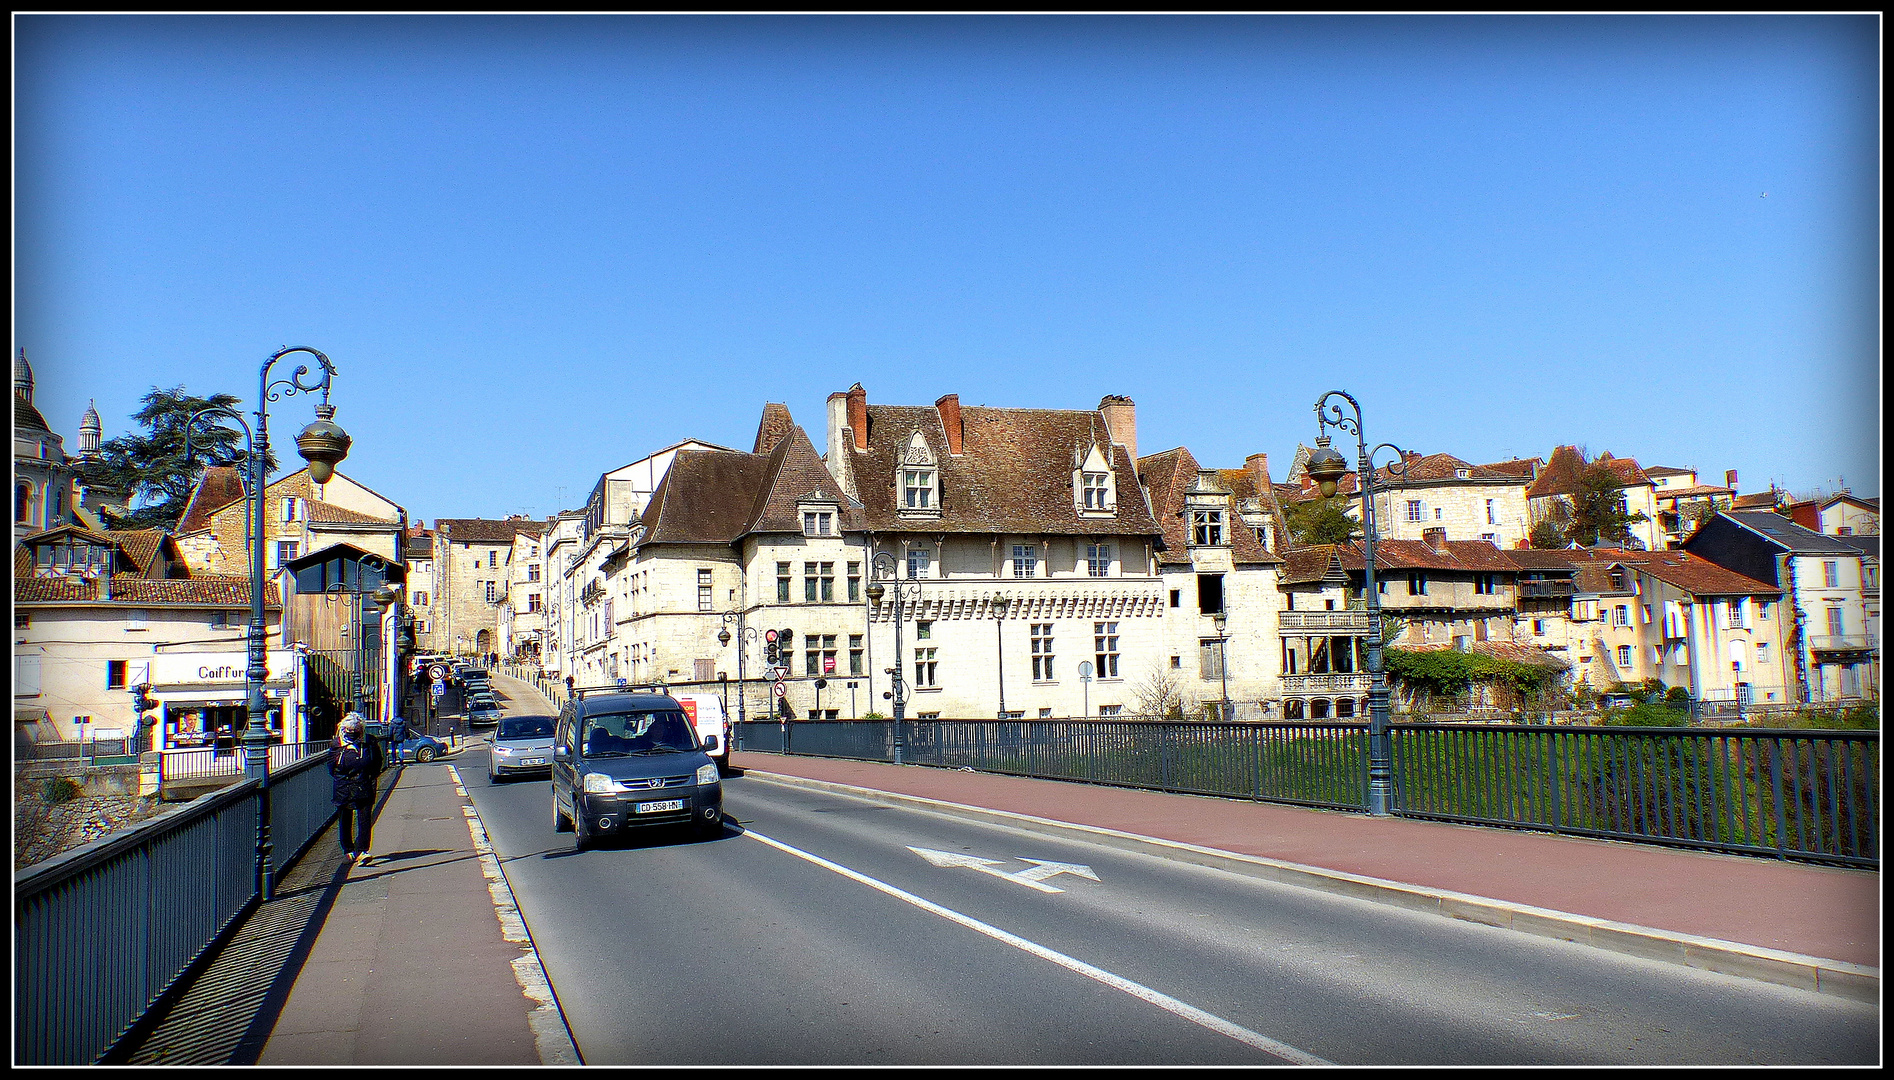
(1809,926)
(411,964)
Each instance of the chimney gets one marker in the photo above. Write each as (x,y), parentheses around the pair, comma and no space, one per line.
(1729,480)
(1258,467)
(1435,538)
(1121,419)
(858,415)
(104,584)
(949,408)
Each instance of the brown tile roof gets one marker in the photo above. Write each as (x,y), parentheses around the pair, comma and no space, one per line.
(1420,469)
(1013,475)
(773,428)
(1517,652)
(1167,477)
(333,514)
(1692,573)
(208,591)
(143,545)
(1561,474)
(220,486)
(486,530)
(719,496)
(1307,564)
(1697,492)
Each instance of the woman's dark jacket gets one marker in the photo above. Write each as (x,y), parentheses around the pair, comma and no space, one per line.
(355,769)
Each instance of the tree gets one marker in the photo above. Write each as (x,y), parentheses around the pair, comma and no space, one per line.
(1546,535)
(150,466)
(1159,694)
(1321,521)
(1599,513)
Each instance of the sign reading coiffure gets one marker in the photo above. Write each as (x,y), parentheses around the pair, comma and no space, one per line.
(210,669)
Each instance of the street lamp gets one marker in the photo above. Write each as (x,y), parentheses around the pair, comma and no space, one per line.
(1000,604)
(744,635)
(1326,467)
(1223,660)
(885,565)
(322,444)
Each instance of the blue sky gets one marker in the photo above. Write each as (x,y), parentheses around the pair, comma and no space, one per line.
(539,248)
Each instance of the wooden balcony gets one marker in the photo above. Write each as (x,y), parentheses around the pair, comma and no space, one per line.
(1346,622)
(1302,685)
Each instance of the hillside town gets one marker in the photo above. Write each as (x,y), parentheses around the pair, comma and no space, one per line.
(961,561)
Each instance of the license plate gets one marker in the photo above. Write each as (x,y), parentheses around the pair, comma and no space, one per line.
(660,807)
(534,761)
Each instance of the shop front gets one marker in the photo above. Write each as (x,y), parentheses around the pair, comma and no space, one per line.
(201,696)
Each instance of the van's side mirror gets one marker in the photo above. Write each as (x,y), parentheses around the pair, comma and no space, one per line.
(710,744)
(559,754)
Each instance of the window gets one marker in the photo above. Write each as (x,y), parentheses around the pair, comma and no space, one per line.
(1486,584)
(1647,615)
(419,599)
(1538,628)
(917,489)
(1437,513)
(1206,528)
(1178,594)
(286,551)
(1098,560)
(1735,615)
(493,591)
(818,582)
(1110,710)
(1210,658)
(1105,650)
(289,509)
(926,668)
(1621,615)
(493,557)
(220,620)
(1025,560)
(1762,652)
(22,620)
(532,602)
(1835,621)
(1831,574)
(1041,651)
(532,571)
(918,561)
(704,598)
(1414,510)
(1416,583)
(817,523)
(854,654)
(854,583)
(1094,491)
(1624,656)
(782,583)
(1492,514)
(1210,594)
(924,631)
(1762,610)
(115,674)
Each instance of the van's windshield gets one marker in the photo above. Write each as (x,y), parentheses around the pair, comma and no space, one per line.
(620,734)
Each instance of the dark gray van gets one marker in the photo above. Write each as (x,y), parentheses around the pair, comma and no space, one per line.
(626,761)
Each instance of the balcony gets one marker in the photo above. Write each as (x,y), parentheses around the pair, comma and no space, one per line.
(1541,590)
(1304,685)
(1844,643)
(1355,621)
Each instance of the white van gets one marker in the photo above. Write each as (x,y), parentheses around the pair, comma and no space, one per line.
(708,717)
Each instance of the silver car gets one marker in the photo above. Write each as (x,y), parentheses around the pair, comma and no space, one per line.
(521,744)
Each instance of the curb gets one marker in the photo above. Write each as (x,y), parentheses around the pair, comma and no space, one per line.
(1855,982)
(551,1036)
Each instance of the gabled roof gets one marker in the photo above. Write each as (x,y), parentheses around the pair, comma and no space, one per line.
(127,589)
(1789,536)
(1431,468)
(1692,573)
(720,496)
(1013,473)
(485,530)
(1167,477)
(220,486)
(1517,652)
(1307,564)
(1523,467)
(1562,473)
(143,546)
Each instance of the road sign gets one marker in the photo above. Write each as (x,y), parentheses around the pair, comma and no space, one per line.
(1033,877)
(624,682)
(778,688)
(438,671)
(439,687)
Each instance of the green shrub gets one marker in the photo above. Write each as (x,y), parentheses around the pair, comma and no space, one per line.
(59,790)
(1648,714)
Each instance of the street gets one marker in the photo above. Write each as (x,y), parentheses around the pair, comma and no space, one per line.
(822,929)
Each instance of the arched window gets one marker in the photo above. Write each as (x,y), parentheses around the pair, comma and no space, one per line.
(917,480)
(23,503)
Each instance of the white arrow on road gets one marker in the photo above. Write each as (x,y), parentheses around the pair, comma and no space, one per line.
(1033,877)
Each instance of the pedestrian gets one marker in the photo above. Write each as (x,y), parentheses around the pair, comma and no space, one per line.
(355,762)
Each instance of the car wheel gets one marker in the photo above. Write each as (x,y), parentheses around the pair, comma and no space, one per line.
(560,822)
(424,755)
(581,838)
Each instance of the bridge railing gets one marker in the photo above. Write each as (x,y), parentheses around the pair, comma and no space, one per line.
(101,933)
(1804,794)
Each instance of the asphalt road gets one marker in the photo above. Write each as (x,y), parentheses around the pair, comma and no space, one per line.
(822,929)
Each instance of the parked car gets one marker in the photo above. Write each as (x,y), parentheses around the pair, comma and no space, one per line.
(483,715)
(521,744)
(630,760)
(421,748)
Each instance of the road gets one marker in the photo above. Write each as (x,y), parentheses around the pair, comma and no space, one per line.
(823,929)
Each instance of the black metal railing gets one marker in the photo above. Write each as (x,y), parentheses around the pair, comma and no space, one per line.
(102,932)
(1795,794)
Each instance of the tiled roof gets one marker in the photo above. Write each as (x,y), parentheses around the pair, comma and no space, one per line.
(338,515)
(1698,492)
(1434,467)
(1517,652)
(1167,477)
(718,496)
(1759,500)
(213,591)
(486,530)
(1306,564)
(1561,474)
(1013,475)
(773,428)
(220,486)
(1692,573)
(1524,467)
(141,546)
(25,416)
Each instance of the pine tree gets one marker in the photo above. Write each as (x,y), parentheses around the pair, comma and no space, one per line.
(150,465)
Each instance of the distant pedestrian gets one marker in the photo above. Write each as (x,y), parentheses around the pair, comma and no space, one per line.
(355,763)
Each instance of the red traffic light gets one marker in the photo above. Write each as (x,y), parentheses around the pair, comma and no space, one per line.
(769,636)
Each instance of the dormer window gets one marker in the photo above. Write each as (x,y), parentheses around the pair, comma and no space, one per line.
(918,479)
(818,523)
(1206,528)
(1093,486)
(1208,505)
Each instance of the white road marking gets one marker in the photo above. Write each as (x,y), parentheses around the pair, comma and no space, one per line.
(1031,877)
(1144,993)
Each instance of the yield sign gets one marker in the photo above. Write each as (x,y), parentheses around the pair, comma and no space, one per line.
(1033,877)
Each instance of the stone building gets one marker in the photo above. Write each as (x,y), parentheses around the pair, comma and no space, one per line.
(299,517)
(470,580)
(1436,491)
(523,604)
(1550,493)
(42,474)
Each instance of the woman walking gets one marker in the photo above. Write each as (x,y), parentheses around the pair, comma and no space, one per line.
(355,761)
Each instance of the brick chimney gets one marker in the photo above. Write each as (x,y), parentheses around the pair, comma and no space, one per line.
(1435,538)
(858,415)
(1729,480)
(1257,465)
(1121,419)
(949,408)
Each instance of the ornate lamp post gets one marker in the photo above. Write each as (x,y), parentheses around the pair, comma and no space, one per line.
(1222,621)
(1326,467)
(744,635)
(323,444)
(1000,604)
(909,591)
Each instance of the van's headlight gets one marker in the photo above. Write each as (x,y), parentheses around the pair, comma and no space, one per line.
(597,783)
(707,774)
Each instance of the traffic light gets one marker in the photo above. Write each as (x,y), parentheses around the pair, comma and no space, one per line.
(770,652)
(141,698)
